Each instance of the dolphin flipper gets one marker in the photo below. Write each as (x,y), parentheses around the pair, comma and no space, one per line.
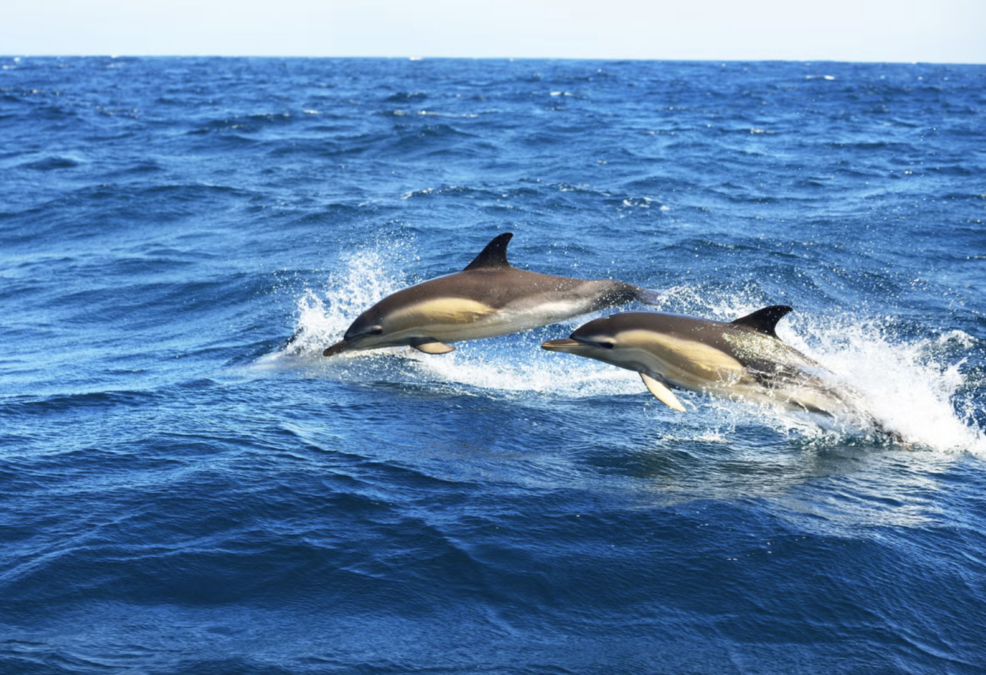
(661,392)
(429,346)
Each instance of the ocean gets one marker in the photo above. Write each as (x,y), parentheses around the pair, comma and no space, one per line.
(181,493)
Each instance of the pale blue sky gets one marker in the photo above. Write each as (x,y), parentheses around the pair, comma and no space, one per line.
(949,31)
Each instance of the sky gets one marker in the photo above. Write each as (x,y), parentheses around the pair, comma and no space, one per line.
(940,31)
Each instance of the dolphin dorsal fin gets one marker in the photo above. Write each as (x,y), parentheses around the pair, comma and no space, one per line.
(764,320)
(494,255)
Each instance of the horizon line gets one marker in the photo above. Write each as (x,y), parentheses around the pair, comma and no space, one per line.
(487,58)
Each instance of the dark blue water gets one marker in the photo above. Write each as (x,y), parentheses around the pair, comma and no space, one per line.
(179,495)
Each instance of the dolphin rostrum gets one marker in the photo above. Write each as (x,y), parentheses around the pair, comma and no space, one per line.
(743,359)
(488,298)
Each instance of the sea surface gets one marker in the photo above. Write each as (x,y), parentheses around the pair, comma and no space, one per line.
(181,493)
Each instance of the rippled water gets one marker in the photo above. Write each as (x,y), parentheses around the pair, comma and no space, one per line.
(180,494)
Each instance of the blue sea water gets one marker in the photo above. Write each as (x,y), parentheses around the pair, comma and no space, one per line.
(181,494)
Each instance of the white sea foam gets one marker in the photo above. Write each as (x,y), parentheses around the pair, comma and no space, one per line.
(362,278)
(913,388)
(916,389)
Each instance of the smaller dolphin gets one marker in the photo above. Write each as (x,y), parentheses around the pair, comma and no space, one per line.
(742,359)
(488,298)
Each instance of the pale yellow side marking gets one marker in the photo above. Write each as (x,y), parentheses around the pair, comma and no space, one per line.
(688,356)
(441,312)
(662,393)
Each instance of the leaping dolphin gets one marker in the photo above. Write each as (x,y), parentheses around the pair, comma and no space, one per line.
(742,359)
(488,298)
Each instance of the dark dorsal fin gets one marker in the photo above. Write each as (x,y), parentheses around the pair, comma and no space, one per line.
(764,320)
(494,255)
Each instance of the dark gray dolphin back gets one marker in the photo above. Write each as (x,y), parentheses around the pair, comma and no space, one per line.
(763,321)
(611,292)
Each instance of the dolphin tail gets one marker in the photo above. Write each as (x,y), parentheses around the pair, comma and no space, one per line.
(647,297)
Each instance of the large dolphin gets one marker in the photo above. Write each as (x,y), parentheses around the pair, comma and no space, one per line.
(488,298)
(743,359)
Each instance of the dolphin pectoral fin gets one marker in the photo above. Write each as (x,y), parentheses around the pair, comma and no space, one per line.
(429,346)
(662,393)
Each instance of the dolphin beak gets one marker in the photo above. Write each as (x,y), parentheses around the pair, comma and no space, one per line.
(564,345)
(338,347)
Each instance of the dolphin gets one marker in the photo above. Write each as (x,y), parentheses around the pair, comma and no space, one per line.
(742,359)
(489,297)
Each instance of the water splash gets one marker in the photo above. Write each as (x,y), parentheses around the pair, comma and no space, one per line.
(363,278)
(915,389)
